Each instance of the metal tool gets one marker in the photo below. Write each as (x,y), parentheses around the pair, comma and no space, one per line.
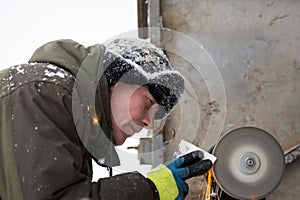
(250,163)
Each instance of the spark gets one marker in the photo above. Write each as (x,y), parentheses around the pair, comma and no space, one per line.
(209,189)
(95,120)
(89,107)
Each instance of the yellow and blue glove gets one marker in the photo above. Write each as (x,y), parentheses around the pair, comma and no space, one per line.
(169,179)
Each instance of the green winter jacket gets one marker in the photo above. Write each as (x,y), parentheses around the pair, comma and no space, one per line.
(48,134)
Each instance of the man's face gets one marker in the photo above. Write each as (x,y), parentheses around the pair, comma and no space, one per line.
(133,108)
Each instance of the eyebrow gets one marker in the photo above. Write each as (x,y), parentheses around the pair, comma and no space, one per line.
(149,95)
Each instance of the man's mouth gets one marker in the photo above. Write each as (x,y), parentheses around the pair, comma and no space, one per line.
(134,129)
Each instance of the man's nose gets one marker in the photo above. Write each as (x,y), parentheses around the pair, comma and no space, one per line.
(148,121)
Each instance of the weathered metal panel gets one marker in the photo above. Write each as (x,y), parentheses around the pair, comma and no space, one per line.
(255,45)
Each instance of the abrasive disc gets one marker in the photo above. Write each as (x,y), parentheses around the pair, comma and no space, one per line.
(250,163)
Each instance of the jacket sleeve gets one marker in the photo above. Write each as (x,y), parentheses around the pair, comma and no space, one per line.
(52,162)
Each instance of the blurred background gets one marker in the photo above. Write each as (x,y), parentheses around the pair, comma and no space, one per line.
(254,45)
(25,25)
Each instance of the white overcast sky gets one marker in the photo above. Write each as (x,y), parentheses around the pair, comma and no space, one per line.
(27,24)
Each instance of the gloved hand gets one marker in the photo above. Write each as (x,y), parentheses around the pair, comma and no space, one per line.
(169,179)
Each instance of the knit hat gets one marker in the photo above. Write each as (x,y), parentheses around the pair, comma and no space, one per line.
(137,61)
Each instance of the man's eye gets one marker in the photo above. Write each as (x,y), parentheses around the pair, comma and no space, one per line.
(148,100)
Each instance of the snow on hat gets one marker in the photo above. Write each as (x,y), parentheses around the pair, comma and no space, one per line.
(137,61)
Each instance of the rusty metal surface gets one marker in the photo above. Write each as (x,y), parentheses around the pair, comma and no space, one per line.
(255,45)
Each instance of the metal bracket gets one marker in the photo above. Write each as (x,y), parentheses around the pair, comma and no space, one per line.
(292,155)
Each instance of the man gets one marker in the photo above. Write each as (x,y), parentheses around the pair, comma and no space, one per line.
(72,104)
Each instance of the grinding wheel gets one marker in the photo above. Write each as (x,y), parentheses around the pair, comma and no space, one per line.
(250,163)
